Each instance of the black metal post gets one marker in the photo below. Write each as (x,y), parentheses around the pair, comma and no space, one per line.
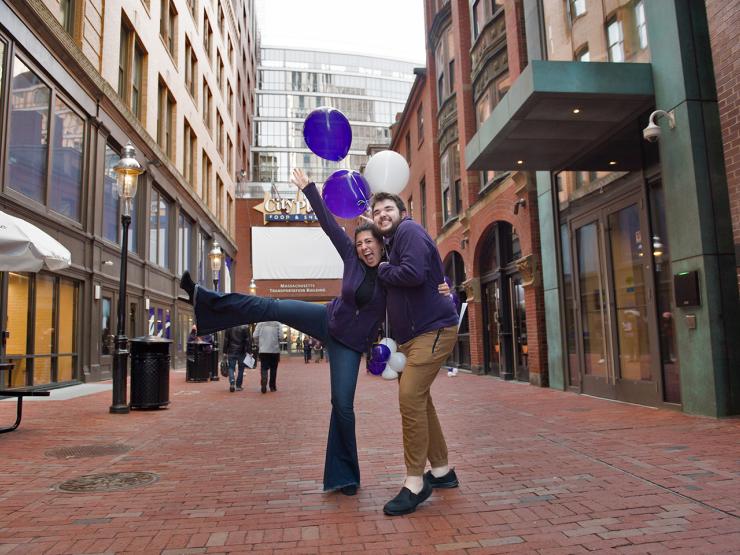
(215,355)
(120,358)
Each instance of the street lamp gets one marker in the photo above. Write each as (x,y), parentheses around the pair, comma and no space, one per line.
(252,287)
(216,256)
(127,171)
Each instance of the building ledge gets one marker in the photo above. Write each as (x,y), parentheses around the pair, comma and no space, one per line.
(566,115)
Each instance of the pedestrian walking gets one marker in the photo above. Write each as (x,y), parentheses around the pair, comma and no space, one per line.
(306,349)
(237,343)
(425,326)
(267,339)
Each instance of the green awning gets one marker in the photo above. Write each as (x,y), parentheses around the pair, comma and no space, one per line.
(566,116)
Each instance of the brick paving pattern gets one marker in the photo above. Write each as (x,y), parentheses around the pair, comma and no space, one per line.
(541,471)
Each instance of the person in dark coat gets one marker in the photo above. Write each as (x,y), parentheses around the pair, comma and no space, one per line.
(237,343)
(425,326)
(306,349)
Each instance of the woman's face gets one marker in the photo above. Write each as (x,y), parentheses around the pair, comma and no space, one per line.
(369,249)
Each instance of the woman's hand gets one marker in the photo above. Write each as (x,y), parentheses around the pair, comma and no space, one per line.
(444,289)
(299,179)
(365,218)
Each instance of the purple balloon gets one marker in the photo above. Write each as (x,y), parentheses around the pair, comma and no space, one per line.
(376,368)
(327,133)
(380,353)
(346,193)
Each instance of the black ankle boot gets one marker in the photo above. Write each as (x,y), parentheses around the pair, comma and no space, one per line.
(187,285)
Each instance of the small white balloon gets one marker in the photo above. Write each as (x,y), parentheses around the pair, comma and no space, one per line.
(397,362)
(388,342)
(387,172)
(389,374)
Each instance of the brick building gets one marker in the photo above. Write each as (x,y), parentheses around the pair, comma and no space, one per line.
(543,183)
(485,223)
(724,32)
(78,80)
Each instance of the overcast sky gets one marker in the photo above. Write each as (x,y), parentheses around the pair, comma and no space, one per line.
(385,28)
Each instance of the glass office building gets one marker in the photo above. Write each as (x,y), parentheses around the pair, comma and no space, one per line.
(291,83)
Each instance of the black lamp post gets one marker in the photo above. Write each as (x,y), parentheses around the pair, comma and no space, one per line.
(216,256)
(127,175)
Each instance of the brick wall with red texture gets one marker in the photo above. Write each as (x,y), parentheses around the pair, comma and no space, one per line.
(478,214)
(724,32)
(423,163)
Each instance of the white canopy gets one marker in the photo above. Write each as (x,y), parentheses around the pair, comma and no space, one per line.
(25,248)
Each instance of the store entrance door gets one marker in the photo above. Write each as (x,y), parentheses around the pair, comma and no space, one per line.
(617,336)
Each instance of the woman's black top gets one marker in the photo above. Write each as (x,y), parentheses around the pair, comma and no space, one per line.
(364,292)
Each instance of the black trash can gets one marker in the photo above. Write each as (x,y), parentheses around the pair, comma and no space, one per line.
(150,372)
(199,361)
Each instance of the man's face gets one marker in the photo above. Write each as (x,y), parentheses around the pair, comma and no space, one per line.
(386,216)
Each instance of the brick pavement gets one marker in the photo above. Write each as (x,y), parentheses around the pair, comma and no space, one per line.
(542,471)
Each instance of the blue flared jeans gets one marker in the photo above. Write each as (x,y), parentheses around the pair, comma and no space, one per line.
(216,311)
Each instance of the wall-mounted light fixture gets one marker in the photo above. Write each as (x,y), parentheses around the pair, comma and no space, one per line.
(520,203)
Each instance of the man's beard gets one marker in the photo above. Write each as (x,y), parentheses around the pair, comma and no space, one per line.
(391,230)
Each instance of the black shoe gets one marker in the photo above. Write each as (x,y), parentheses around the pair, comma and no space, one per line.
(273,389)
(264,389)
(187,285)
(447,481)
(349,490)
(232,388)
(406,501)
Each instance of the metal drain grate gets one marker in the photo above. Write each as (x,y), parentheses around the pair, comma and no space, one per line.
(115,481)
(84,451)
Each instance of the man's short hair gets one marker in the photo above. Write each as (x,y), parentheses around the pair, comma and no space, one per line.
(377,197)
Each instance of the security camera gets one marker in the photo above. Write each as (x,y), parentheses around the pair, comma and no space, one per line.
(652,132)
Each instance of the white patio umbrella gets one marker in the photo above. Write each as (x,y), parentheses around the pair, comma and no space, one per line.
(25,248)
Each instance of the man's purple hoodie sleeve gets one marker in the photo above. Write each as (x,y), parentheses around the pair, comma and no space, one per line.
(411,270)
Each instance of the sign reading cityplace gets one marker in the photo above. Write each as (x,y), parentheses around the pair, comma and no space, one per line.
(277,208)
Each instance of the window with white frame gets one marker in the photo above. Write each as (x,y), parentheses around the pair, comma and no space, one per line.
(615,40)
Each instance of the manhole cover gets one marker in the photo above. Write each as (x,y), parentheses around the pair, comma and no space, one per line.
(83,451)
(114,481)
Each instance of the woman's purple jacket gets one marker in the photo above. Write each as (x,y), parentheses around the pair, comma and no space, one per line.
(353,327)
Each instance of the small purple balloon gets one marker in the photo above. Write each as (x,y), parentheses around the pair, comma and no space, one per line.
(376,368)
(380,353)
(346,193)
(327,133)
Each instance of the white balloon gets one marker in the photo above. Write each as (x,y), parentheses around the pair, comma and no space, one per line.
(387,172)
(389,374)
(389,343)
(397,362)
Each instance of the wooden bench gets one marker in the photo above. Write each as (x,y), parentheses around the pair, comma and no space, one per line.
(19,394)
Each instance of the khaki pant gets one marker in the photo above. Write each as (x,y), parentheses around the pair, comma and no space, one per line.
(422,434)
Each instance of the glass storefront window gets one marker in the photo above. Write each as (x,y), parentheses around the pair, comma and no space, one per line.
(17,325)
(43,329)
(586,31)
(67,320)
(66,168)
(41,321)
(159,230)
(573,185)
(111,201)
(29,132)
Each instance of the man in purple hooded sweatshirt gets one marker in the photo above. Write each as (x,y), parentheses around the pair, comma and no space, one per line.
(424,323)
